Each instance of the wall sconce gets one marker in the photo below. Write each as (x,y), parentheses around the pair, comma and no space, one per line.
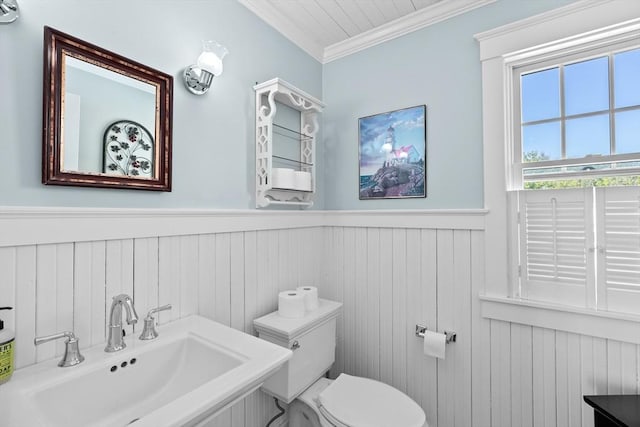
(198,77)
(8,11)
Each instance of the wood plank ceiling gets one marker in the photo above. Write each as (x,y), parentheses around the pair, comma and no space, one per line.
(330,29)
(332,21)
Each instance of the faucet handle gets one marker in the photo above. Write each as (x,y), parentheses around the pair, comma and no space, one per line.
(158,309)
(72,354)
(149,331)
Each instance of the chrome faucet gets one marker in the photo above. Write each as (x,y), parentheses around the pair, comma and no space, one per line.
(149,332)
(115,342)
(72,354)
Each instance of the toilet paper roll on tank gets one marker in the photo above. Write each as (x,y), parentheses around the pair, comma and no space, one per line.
(294,304)
(291,304)
(310,297)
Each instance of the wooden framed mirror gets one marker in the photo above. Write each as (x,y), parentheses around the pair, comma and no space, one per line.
(107,120)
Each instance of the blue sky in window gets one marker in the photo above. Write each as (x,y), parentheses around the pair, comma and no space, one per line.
(627,78)
(586,86)
(594,129)
(627,131)
(541,95)
(586,90)
(543,138)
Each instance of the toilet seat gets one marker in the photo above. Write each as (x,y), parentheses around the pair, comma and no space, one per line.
(361,402)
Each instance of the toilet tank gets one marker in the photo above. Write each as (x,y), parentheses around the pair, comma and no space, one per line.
(313,341)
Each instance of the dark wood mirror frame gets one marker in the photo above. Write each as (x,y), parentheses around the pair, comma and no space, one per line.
(57,44)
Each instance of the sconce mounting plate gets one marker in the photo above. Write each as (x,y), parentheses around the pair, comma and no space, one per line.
(9,11)
(197,80)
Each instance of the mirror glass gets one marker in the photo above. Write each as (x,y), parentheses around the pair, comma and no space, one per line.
(108,121)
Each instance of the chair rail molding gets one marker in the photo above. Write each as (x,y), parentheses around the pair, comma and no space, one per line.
(44,225)
(467,219)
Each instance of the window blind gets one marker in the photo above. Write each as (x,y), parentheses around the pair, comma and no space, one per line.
(556,245)
(581,247)
(618,258)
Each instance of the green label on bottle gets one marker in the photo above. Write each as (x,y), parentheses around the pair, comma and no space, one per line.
(6,361)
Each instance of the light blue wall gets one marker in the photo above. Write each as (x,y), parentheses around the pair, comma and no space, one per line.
(213,135)
(438,66)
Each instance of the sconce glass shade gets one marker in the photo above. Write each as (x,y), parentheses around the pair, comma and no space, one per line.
(211,57)
(198,77)
(9,11)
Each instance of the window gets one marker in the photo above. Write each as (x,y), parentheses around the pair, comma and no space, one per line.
(592,250)
(576,127)
(578,122)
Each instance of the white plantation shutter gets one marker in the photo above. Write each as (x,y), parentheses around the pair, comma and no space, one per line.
(618,225)
(556,246)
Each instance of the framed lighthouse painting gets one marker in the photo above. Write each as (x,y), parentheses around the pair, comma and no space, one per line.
(392,153)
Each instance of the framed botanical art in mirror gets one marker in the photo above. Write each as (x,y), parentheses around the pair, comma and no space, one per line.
(107,119)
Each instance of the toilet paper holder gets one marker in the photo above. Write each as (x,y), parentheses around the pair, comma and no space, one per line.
(451,336)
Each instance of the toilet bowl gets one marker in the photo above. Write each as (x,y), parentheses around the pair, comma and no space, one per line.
(304,411)
(354,402)
(315,401)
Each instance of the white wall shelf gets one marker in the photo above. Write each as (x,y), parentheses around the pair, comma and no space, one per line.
(270,191)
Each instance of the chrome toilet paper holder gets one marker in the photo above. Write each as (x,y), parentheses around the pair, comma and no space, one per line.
(421,329)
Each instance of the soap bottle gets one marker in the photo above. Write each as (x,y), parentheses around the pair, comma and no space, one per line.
(7,337)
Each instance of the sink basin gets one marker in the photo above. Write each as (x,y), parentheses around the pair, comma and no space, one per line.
(194,370)
(154,379)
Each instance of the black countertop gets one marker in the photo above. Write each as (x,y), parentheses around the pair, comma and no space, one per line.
(622,410)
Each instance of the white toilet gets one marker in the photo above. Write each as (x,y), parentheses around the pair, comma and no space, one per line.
(315,401)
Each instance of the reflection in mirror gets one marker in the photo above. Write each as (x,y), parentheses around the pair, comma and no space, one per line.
(128,150)
(94,99)
(107,118)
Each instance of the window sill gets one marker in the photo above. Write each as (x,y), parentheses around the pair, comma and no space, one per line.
(601,324)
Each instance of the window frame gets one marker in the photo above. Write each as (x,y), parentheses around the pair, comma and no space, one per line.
(546,61)
(521,287)
(543,60)
(557,32)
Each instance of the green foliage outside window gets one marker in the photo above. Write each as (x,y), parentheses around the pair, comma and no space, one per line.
(603,181)
(606,181)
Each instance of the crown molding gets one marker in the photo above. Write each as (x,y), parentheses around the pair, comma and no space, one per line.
(417,20)
(421,18)
(284,27)
(538,19)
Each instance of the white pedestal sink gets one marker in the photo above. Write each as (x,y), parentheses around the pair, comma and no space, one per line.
(190,373)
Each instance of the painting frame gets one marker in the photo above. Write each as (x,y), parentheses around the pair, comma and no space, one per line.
(392,154)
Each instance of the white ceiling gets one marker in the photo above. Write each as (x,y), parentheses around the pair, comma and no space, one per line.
(331,29)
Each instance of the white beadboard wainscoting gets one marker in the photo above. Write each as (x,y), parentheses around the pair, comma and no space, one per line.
(231,277)
(391,279)
(540,375)
(60,268)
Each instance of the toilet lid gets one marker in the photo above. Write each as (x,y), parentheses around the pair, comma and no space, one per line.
(362,402)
